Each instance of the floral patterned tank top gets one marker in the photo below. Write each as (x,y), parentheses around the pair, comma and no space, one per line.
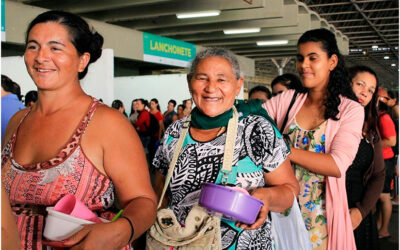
(33,187)
(312,185)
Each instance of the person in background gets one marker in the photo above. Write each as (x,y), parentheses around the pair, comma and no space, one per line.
(143,123)
(118,105)
(188,106)
(31,98)
(10,101)
(388,133)
(285,82)
(324,129)
(365,177)
(155,110)
(260,92)
(70,143)
(156,137)
(134,112)
(170,115)
(393,105)
(179,110)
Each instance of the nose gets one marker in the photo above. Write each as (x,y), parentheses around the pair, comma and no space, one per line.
(42,55)
(364,91)
(211,85)
(303,64)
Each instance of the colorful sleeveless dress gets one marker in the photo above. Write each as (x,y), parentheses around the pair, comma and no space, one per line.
(33,187)
(312,185)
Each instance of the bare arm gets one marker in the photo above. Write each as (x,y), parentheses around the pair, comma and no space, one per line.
(313,162)
(126,165)
(389,142)
(10,238)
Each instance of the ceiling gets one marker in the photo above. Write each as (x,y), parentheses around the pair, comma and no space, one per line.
(358,24)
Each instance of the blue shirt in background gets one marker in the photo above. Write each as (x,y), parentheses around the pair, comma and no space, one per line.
(10,104)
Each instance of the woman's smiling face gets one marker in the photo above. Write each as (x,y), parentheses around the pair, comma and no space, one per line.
(314,65)
(214,86)
(50,57)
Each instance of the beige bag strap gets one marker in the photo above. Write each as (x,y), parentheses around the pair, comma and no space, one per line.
(172,164)
(229,146)
(228,151)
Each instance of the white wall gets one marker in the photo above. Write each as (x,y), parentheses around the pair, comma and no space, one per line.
(97,83)
(162,87)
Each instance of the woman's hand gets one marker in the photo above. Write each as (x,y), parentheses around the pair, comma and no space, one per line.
(113,235)
(356,217)
(261,194)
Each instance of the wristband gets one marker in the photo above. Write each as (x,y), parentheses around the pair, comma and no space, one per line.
(132,229)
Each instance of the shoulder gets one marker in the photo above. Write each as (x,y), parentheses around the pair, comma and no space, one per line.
(257,124)
(350,108)
(110,120)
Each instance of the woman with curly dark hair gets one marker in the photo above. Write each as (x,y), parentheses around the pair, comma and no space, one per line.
(323,126)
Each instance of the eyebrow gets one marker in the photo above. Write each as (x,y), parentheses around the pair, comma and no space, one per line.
(309,54)
(51,42)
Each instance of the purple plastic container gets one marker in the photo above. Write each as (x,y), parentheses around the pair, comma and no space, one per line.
(233,204)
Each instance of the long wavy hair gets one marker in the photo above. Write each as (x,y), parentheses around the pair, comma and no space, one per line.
(371,112)
(338,78)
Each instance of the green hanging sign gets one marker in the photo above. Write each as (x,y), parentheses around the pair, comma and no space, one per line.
(3,21)
(164,50)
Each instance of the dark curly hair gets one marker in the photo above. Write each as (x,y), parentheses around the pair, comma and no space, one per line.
(371,112)
(83,37)
(338,78)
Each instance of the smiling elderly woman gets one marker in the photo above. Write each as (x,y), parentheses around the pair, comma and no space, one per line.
(259,159)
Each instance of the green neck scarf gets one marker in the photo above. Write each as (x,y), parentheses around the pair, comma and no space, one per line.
(202,121)
(252,107)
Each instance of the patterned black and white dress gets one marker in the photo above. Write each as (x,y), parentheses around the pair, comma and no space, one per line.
(259,149)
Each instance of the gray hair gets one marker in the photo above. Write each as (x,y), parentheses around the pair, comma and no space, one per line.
(215,52)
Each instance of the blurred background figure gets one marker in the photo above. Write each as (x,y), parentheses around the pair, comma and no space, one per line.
(133,116)
(285,82)
(118,105)
(180,111)
(260,92)
(393,105)
(170,115)
(10,101)
(188,106)
(30,98)
(388,133)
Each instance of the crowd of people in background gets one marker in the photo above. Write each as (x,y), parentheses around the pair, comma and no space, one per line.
(337,145)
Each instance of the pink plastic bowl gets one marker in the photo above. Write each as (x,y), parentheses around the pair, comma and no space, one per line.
(234,205)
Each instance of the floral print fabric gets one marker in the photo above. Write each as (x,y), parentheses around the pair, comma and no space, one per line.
(312,185)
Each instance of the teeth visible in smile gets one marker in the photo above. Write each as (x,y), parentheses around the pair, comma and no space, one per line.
(212,98)
(43,70)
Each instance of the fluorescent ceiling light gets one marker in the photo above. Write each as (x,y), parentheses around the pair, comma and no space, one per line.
(269,43)
(393,65)
(241,31)
(386,57)
(374,46)
(198,14)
